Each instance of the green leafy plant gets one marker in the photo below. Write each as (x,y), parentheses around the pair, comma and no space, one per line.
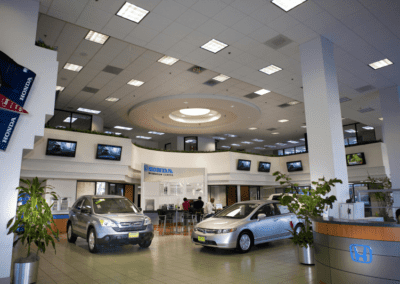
(41,43)
(306,206)
(33,220)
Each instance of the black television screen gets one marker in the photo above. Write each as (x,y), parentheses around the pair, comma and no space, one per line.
(294,166)
(244,165)
(355,159)
(61,148)
(264,167)
(109,152)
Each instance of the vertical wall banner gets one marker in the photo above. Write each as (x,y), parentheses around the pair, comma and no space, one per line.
(15,84)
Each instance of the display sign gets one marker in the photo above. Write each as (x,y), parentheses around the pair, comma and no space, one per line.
(361,253)
(158,171)
(15,84)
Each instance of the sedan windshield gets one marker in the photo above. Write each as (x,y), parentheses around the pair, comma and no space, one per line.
(237,211)
(113,205)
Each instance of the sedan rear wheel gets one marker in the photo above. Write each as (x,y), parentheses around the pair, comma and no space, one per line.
(244,242)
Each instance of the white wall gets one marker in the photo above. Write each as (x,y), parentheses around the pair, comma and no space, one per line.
(146,143)
(63,188)
(206,144)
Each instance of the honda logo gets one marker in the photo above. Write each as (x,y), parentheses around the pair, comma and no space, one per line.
(361,253)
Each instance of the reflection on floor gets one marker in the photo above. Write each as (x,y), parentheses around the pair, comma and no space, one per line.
(173,259)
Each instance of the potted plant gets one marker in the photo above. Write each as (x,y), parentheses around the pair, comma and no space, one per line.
(310,204)
(32,225)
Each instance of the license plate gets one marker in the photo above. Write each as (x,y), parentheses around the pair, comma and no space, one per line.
(133,235)
(201,239)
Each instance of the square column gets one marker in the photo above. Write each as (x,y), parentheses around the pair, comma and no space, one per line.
(323,117)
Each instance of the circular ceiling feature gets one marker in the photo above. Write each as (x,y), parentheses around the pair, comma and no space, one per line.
(209,116)
(194,111)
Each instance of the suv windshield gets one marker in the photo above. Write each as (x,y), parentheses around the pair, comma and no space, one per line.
(237,211)
(113,205)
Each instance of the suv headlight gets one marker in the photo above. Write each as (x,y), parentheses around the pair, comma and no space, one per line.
(224,231)
(147,221)
(107,223)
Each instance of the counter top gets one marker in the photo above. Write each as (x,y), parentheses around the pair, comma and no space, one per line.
(356,222)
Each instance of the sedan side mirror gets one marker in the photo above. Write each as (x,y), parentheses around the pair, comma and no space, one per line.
(261,216)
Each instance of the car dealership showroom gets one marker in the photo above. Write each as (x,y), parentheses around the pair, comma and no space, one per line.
(200,141)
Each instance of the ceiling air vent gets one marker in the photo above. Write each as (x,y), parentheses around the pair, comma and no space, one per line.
(211,82)
(252,96)
(90,90)
(284,105)
(271,129)
(278,42)
(196,69)
(365,89)
(344,99)
(112,70)
(368,109)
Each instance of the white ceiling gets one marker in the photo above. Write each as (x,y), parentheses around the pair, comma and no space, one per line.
(363,31)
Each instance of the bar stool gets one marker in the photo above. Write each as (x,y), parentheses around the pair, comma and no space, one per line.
(161,218)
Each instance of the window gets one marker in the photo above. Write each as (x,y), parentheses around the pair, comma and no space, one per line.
(277,211)
(100,188)
(289,151)
(191,143)
(86,204)
(280,152)
(78,203)
(65,119)
(267,209)
(300,149)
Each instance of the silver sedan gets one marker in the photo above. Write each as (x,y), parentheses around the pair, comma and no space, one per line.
(245,224)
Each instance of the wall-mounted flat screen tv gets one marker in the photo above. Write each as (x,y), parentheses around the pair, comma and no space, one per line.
(109,152)
(264,167)
(243,165)
(294,166)
(61,148)
(355,159)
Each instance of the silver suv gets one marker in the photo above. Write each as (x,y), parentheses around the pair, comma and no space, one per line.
(108,219)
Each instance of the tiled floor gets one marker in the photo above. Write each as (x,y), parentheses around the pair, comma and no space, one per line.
(173,259)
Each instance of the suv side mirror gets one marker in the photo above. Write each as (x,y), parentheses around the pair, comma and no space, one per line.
(261,216)
(85,210)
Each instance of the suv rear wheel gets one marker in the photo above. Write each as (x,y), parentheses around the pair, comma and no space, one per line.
(70,235)
(92,241)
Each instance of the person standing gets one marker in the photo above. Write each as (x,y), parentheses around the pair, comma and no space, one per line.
(185,204)
(198,207)
(209,210)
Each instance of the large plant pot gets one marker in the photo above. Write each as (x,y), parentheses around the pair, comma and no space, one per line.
(26,269)
(306,255)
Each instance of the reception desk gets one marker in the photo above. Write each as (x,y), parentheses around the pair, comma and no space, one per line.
(351,251)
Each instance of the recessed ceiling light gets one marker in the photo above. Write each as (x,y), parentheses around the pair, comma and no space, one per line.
(350,131)
(271,69)
(123,127)
(270,146)
(111,99)
(287,5)
(257,140)
(293,142)
(368,127)
(303,126)
(143,137)
(132,12)
(194,111)
(221,78)
(292,103)
(214,46)
(168,60)
(275,133)
(73,67)
(381,118)
(381,63)
(283,120)
(252,128)
(302,139)
(96,37)
(225,147)
(219,138)
(280,144)
(88,110)
(156,133)
(247,142)
(232,106)
(262,92)
(68,119)
(135,83)
(259,148)
(235,144)
(231,135)
(59,88)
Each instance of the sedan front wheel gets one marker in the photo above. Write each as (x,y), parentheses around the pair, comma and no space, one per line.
(244,242)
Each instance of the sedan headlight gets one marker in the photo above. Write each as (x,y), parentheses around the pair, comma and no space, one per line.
(147,221)
(224,231)
(107,223)
(196,229)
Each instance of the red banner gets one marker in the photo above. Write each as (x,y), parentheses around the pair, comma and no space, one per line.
(7,104)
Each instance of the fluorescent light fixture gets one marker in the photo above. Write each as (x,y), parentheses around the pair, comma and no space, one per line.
(368,127)
(257,140)
(143,137)
(252,128)
(225,147)
(292,103)
(123,127)
(96,37)
(350,131)
(117,133)
(73,67)
(262,92)
(168,60)
(68,119)
(381,63)
(302,139)
(156,133)
(259,148)
(231,135)
(132,12)
(214,46)
(280,144)
(88,110)
(247,142)
(283,120)
(135,83)
(275,133)
(271,69)
(287,5)
(235,144)
(270,146)
(194,111)
(111,99)
(293,142)
(59,88)
(221,78)
(220,138)
(303,126)
(190,141)
(381,118)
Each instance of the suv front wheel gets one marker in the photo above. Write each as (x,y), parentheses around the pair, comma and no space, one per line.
(70,235)
(92,241)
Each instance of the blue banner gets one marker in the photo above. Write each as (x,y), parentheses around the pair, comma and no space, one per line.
(15,84)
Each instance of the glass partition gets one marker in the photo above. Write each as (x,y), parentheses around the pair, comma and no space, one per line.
(68,119)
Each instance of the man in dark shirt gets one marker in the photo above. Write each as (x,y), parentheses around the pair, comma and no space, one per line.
(198,207)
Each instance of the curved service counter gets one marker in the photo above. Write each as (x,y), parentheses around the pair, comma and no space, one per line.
(351,251)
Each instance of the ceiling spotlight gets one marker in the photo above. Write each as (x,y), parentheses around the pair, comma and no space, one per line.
(292,103)
(194,111)
(96,37)
(59,88)
(214,46)
(132,12)
(73,67)
(381,63)
(123,127)
(271,69)
(88,110)
(168,60)
(287,5)
(275,133)
(283,120)
(381,118)
(135,83)
(252,128)
(221,78)
(111,99)
(262,92)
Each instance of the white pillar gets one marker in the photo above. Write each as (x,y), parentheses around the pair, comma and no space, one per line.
(390,108)
(97,123)
(238,193)
(323,117)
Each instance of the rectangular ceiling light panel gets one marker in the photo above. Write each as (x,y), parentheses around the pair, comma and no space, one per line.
(214,46)
(168,60)
(262,92)
(135,83)
(257,140)
(88,110)
(368,127)
(219,138)
(259,148)
(73,67)
(111,99)
(381,63)
(292,103)
(247,142)
(350,131)
(231,135)
(96,37)
(293,142)
(156,133)
(143,137)
(287,5)
(221,78)
(283,120)
(132,12)
(271,69)
(123,127)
